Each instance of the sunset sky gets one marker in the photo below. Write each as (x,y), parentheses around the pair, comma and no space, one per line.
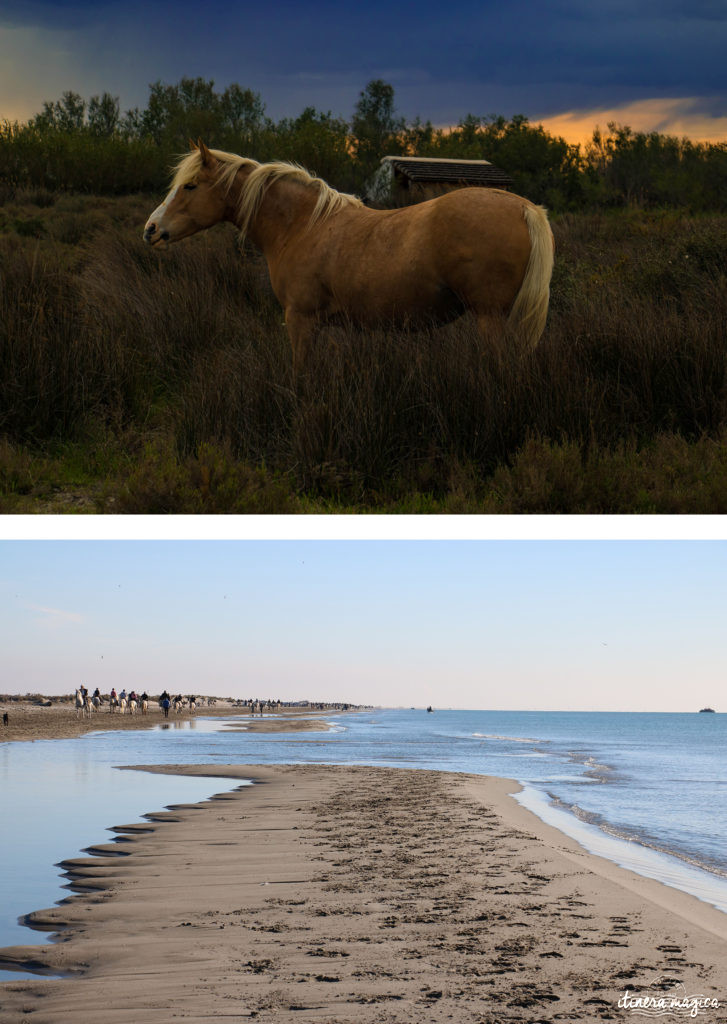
(572,64)
(515,625)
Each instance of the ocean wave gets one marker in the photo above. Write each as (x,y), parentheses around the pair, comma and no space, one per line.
(580,812)
(596,770)
(640,838)
(510,739)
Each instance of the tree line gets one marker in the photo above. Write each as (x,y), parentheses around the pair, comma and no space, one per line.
(92,146)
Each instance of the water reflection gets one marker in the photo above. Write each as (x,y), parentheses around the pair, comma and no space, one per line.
(58,797)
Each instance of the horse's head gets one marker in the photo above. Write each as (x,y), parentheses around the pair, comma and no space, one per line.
(195,203)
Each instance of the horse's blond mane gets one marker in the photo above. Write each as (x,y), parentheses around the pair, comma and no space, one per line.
(328,200)
(258,181)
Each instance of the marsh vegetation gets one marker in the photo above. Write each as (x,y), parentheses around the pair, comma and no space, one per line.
(134,381)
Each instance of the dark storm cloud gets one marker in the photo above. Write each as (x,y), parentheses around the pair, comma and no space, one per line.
(444,61)
(56,15)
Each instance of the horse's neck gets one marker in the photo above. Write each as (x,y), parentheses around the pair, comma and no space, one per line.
(285,210)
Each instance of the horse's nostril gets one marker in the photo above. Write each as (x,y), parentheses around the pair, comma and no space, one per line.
(164,235)
(151,228)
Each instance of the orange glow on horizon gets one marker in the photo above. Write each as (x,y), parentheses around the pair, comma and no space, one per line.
(679,117)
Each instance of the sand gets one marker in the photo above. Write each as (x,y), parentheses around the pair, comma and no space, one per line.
(31,721)
(339,894)
(283,724)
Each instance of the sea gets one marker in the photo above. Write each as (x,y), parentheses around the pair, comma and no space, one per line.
(646,790)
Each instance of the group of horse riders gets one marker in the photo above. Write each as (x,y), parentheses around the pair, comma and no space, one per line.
(178,702)
(131,701)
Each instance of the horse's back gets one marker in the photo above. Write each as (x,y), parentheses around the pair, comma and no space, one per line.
(470,247)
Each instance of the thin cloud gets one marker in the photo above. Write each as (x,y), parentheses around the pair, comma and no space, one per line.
(55,614)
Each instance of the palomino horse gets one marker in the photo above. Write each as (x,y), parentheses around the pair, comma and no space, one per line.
(132,706)
(332,259)
(144,706)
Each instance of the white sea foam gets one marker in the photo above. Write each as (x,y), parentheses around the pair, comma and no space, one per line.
(510,739)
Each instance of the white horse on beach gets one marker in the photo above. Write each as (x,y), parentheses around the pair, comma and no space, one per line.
(122,705)
(83,705)
(144,706)
(132,707)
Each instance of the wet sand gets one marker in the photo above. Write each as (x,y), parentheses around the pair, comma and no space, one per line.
(286,723)
(337,894)
(29,721)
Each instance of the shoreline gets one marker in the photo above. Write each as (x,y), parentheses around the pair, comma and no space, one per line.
(29,721)
(337,893)
(667,867)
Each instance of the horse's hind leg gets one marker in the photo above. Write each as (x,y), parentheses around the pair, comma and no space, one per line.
(492,328)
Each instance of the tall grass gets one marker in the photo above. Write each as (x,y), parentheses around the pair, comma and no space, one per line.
(187,350)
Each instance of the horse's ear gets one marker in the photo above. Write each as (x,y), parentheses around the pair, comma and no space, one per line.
(207,157)
(192,145)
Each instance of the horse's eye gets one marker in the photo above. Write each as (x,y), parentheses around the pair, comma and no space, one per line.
(190,187)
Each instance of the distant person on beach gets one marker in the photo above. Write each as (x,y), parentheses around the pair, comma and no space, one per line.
(6,718)
(165,705)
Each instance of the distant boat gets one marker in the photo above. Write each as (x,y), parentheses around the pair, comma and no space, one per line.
(430,708)
(711,711)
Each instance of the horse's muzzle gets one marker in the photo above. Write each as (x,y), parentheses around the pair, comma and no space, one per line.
(152,237)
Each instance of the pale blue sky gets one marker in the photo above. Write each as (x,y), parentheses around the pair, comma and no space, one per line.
(593,625)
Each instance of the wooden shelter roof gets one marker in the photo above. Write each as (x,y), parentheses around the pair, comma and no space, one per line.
(435,170)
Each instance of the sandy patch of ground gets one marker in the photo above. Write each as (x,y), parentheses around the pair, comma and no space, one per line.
(283,724)
(361,895)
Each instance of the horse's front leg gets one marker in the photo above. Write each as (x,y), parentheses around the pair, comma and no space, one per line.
(301,331)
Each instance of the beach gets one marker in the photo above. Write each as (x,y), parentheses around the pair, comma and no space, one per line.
(32,720)
(359,894)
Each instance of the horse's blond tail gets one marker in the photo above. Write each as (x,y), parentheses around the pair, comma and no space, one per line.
(530,308)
